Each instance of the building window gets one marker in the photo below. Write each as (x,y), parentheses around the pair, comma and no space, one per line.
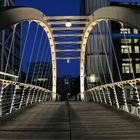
(137,59)
(135,31)
(66,82)
(126,59)
(126,41)
(136,40)
(126,68)
(137,68)
(125,31)
(126,49)
(137,49)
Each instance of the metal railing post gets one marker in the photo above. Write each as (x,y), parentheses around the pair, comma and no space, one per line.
(13,98)
(1,95)
(22,97)
(109,98)
(116,98)
(28,97)
(95,92)
(93,98)
(104,96)
(33,96)
(100,98)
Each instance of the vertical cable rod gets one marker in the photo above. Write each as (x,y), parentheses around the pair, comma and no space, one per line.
(10,49)
(33,48)
(39,47)
(24,47)
(109,68)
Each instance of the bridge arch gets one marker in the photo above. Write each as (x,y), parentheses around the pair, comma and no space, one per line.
(120,14)
(15,15)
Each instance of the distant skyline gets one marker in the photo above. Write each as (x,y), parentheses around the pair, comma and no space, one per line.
(58,8)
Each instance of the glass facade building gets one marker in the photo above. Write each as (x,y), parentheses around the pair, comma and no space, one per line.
(95,54)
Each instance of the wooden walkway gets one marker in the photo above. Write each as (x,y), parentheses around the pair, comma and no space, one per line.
(71,121)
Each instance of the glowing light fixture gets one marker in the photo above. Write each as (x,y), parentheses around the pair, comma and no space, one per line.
(92,78)
(68,61)
(68,23)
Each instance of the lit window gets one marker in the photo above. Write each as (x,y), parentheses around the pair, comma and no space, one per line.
(126,68)
(124,41)
(137,59)
(125,31)
(135,31)
(126,59)
(137,68)
(66,82)
(137,49)
(136,40)
(126,49)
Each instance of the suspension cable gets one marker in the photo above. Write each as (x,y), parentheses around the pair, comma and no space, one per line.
(10,49)
(113,48)
(103,45)
(49,70)
(41,60)
(24,47)
(34,69)
(100,61)
(33,48)
(43,75)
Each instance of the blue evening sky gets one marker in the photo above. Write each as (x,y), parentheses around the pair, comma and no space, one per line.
(57,8)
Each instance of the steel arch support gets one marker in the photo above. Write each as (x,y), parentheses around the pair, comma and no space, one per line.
(15,15)
(121,14)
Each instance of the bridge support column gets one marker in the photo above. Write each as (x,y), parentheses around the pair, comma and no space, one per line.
(53,96)
(82,96)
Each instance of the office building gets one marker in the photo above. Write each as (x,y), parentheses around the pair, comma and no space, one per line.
(97,54)
(68,86)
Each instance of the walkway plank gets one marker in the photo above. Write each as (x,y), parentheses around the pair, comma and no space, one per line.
(71,121)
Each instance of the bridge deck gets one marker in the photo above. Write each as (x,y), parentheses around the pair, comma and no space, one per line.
(71,121)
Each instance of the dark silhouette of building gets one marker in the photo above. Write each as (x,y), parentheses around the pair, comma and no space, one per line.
(68,86)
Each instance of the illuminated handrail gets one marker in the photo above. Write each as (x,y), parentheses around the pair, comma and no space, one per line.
(11,95)
(8,74)
(127,95)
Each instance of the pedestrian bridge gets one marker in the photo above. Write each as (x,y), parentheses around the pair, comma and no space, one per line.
(108,105)
(70,121)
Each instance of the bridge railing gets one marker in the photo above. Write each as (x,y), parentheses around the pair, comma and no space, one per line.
(123,95)
(15,95)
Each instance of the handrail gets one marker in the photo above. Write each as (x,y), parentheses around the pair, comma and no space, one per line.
(127,95)
(11,95)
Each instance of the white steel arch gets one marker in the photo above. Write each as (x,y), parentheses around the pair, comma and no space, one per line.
(15,15)
(120,14)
